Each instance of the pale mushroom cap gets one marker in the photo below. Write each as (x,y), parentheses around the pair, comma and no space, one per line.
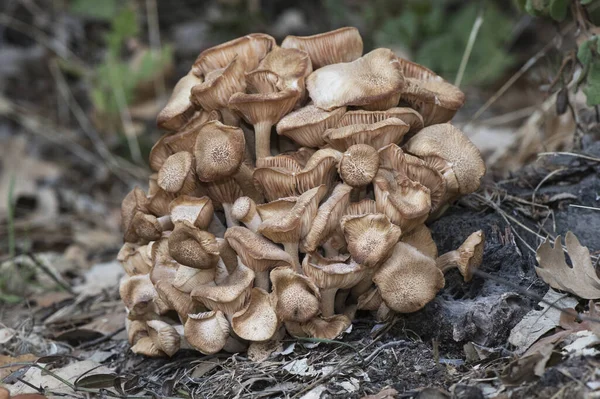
(370,238)
(133,202)
(164,336)
(471,254)
(408,280)
(436,100)
(291,64)
(219,151)
(145,346)
(327,327)
(450,144)
(275,183)
(255,251)
(193,247)
(137,293)
(177,300)
(363,117)
(244,208)
(296,297)
(194,210)
(158,204)
(136,329)
(134,259)
(187,278)
(373,77)
(263,81)
(163,265)
(179,107)
(332,275)
(146,226)
(306,125)
(340,45)
(219,85)
(359,165)
(377,135)
(420,238)
(257,321)
(207,332)
(320,169)
(176,174)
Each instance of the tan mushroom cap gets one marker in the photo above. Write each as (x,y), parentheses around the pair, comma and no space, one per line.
(291,64)
(363,117)
(136,329)
(149,227)
(231,295)
(250,49)
(135,259)
(327,327)
(340,45)
(187,278)
(145,346)
(370,238)
(158,204)
(207,331)
(138,294)
(177,174)
(467,258)
(257,321)
(374,81)
(327,219)
(359,165)
(449,143)
(219,151)
(363,207)
(225,191)
(295,296)
(377,135)
(275,182)
(306,125)
(370,300)
(408,280)
(197,211)
(163,265)
(165,336)
(133,202)
(420,238)
(177,300)
(244,210)
(193,247)
(179,108)
(185,139)
(263,81)
(219,85)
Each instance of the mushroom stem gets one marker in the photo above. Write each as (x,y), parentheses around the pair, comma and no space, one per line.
(261,280)
(340,300)
(165,222)
(292,249)
(448,261)
(230,118)
(243,178)
(364,285)
(330,251)
(254,223)
(228,217)
(328,301)
(262,137)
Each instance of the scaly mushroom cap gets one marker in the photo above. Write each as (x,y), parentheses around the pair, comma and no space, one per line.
(179,108)
(420,238)
(295,296)
(177,174)
(359,165)
(363,117)
(244,210)
(207,332)
(177,300)
(370,238)
(219,151)
(373,81)
(327,219)
(250,49)
(136,330)
(327,327)
(147,227)
(146,346)
(196,211)
(135,259)
(193,247)
(290,64)
(219,85)
(449,143)
(408,280)
(370,300)
(257,321)
(165,336)
(340,45)
(377,135)
(187,278)
(133,202)
(327,273)
(138,294)
(255,251)
(231,295)
(306,125)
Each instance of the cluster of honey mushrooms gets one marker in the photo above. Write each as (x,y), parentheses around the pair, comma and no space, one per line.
(283,201)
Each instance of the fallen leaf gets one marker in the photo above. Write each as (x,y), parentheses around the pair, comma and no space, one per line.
(528,367)
(386,393)
(50,298)
(6,334)
(580,280)
(6,360)
(314,393)
(300,367)
(204,367)
(581,346)
(100,277)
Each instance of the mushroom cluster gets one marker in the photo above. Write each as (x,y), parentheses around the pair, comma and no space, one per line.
(291,190)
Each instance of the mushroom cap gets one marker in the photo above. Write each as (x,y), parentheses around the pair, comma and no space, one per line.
(135,259)
(359,165)
(436,100)
(147,227)
(163,265)
(377,135)
(275,182)
(370,300)
(363,117)
(368,80)
(197,211)
(255,251)
(332,273)
(244,209)
(327,327)
(449,143)
(193,247)
(408,280)
(165,336)
(291,161)
(264,107)
(370,238)
(257,321)
(420,238)
(219,85)
(327,219)
(207,331)
(250,49)
(187,278)
(263,81)
(219,151)
(231,295)
(133,202)
(177,173)
(363,207)
(306,125)
(225,190)
(291,64)
(136,329)
(185,139)
(177,300)
(295,296)
(471,254)
(179,108)
(146,346)
(321,168)
(158,204)
(138,294)
(340,45)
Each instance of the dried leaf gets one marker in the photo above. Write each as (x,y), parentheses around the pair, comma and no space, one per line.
(386,393)
(96,381)
(580,280)
(528,367)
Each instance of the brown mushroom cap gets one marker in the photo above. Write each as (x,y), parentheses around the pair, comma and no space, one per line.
(370,238)
(133,202)
(179,108)
(163,265)
(321,168)
(449,143)
(177,300)
(187,278)
(193,247)
(244,210)
(197,211)
(177,174)
(219,85)
(370,300)
(374,79)
(340,45)
(219,151)
(290,64)
(136,329)
(408,280)
(207,332)
(466,258)
(359,165)
(420,238)
(306,125)
(165,336)
(145,346)
(295,296)
(135,259)
(363,117)
(138,294)
(377,135)
(327,327)
(257,321)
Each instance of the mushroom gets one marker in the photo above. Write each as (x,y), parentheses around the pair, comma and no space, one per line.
(466,258)
(149,227)
(420,238)
(146,346)
(165,336)
(179,108)
(363,117)
(225,191)
(296,298)
(136,330)
(177,174)
(193,247)
(377,135)
(135,259)
(135,201)
(291,65)
(306,125)
(177,300)
(207,331)
(359,165)
(257,321)
(244,210)
(138,294)
(196,211)
(327,327)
